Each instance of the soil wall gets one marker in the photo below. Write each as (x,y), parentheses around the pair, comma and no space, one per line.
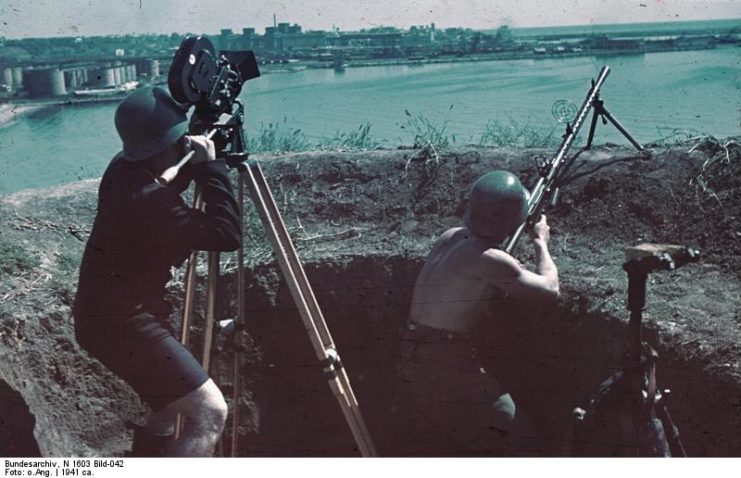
(550,360)
(363,223)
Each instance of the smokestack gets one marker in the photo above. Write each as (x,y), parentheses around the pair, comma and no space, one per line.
(275,22)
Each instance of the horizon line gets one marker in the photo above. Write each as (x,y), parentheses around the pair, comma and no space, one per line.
(384,26)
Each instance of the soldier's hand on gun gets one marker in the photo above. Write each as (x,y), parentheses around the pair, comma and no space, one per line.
(541,230)
(202,147)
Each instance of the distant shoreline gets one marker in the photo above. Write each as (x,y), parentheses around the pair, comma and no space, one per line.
(10,112)
(496,56)
(18,108)
(15,109)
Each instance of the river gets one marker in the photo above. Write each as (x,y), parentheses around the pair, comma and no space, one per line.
(652,95)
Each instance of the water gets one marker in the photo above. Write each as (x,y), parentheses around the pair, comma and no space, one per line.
(651,94)
(632,29)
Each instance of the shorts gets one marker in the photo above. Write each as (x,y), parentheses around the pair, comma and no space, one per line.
(459,399)
(142,351)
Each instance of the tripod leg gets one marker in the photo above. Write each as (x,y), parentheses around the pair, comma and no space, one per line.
(575,438)
(592,128)
(190,281)
(676,447)
(620,128)
(307,305)
(208,332)
(237,365)
(603,426)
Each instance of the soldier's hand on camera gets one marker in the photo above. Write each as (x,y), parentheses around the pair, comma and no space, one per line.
(203,147)
(541,230)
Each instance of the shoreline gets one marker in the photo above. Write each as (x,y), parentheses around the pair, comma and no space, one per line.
(475,58)
(16,108)
(11,112)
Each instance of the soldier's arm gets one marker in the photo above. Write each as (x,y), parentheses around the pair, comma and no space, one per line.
(546,268)
(217,228)
(171,223)
(506,273)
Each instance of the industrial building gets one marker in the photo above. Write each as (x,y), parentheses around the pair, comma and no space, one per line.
(60,80)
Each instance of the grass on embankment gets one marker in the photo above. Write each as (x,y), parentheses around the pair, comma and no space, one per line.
(418,131)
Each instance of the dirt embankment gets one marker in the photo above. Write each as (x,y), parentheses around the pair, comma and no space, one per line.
(363,223)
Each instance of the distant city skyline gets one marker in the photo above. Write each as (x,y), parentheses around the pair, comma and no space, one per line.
(50,18)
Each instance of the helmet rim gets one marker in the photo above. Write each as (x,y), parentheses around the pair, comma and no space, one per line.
(498,206)
(148,121)
(171,136)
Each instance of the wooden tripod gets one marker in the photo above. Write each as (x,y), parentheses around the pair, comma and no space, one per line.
(251,175)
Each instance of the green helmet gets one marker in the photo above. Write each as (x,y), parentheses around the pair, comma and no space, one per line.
(148,120)
(498,205)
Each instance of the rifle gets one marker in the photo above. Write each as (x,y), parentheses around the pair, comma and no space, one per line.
(551,172)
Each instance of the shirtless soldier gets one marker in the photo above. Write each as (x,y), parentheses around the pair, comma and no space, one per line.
(142,229)
(456,294)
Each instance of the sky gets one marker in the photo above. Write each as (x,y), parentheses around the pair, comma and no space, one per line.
(48,18)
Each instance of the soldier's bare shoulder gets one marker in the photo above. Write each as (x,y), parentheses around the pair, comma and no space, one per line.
(450,234)
(500,263)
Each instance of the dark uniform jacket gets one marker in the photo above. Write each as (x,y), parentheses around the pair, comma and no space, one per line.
(142,229)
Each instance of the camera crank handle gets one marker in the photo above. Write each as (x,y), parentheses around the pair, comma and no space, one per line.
(169,174)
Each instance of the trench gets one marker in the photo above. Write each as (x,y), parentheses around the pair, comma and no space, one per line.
(16,425)
(550,359)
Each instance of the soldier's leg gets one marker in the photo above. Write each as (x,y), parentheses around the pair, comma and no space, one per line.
(503,413)
(205,412)
(168,377)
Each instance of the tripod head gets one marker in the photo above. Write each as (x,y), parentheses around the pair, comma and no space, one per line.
(646,258)
(212,83)
(641,261)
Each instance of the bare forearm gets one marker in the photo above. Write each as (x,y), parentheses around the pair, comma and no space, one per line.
(545,266)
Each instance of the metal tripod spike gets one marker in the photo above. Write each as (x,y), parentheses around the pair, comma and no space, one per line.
(303,296)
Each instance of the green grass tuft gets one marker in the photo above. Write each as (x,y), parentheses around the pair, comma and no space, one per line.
(426,133)
(15,260)
(277,138)
(358,139)
(423,132)
(512,133)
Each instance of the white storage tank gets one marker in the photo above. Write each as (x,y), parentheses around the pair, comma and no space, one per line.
(18,78)
(102,77)
(45,82)
(7,77)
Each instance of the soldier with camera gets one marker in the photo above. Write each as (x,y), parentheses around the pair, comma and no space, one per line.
(143,228)
(456,294)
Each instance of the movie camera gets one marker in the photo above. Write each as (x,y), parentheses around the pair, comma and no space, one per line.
(211,82)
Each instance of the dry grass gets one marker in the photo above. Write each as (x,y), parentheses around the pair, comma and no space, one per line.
(720,171)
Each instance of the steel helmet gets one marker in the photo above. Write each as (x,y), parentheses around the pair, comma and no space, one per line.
(498,205)
(148,120)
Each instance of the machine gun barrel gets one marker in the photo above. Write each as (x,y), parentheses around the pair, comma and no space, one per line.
(544,188)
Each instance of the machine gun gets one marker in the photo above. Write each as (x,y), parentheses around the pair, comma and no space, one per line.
(545,191)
